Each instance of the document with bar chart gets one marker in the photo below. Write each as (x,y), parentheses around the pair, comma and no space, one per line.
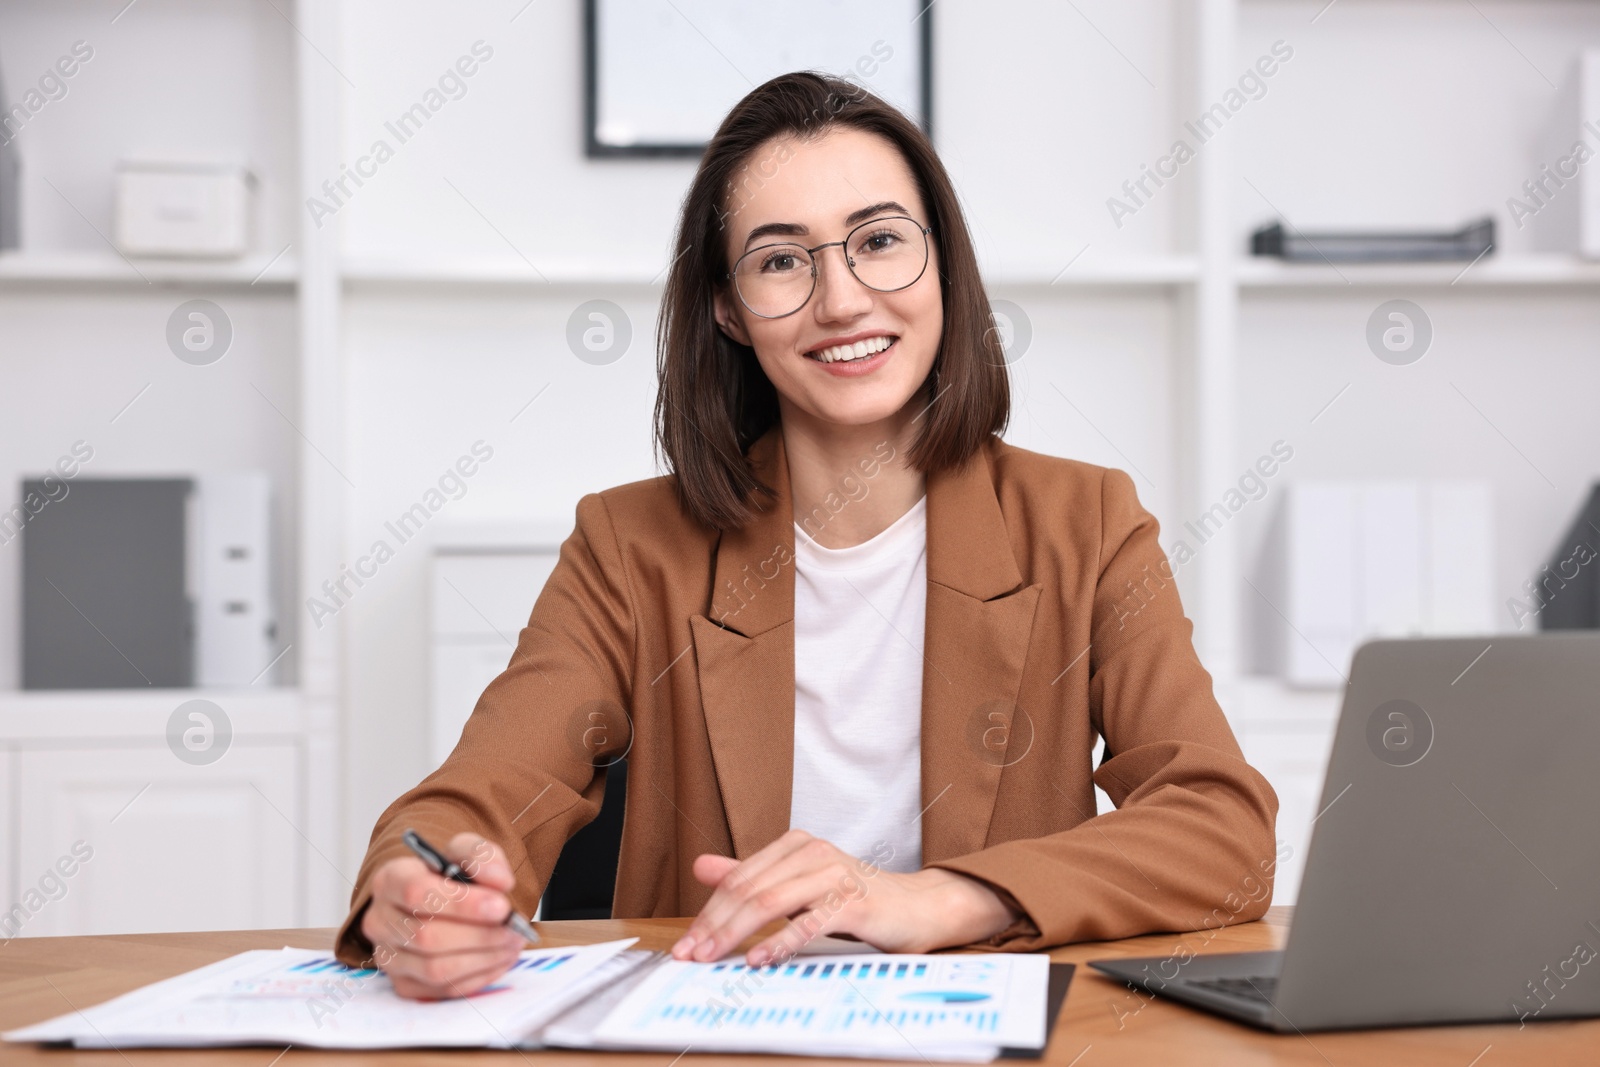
(964,1007)
(305,997)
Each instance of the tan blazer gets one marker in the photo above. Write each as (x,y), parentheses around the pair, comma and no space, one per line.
(1051,619)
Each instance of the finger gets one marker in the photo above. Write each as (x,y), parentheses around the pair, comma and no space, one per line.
(428,935)
(726,873)
(483,861)
(767,892)
(710,869)
(410,961)
(796,934)
(734,880)
(776,852)
(780,899)
(437,968)
(714,870)
(449,977)
(409,887)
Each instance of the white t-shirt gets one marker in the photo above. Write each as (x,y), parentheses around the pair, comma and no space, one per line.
(859,615)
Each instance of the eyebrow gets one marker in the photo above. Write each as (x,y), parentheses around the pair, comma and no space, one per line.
(794,229)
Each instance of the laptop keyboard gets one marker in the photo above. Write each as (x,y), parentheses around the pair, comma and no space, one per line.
(1263,988)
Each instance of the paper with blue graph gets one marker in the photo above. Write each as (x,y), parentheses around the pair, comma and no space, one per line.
(933,1007)
(906,1007)
(305,997)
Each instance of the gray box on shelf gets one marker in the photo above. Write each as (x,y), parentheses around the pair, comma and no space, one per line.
(105,603)
(135,582)
(10,182)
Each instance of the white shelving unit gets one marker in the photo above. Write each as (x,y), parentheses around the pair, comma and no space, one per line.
(375,273)
(93,270)
(398,333)
(1531,269)
(258,830)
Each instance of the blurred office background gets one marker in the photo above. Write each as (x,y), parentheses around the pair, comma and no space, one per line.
(282,378)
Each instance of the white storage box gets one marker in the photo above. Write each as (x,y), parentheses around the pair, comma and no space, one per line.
(184,209)
(1350,560)
(230,578)
(1589,110)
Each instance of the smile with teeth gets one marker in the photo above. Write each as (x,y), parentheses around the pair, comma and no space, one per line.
(859,350)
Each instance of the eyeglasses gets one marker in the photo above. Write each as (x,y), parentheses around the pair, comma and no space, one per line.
(885,255)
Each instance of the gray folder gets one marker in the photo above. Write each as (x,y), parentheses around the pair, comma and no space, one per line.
(105,603)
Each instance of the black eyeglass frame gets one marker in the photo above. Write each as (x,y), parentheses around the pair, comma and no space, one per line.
(849,262)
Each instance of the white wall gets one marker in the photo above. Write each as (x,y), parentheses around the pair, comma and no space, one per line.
(1036,116)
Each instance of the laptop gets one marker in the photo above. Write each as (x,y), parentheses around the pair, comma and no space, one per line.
(1453,874)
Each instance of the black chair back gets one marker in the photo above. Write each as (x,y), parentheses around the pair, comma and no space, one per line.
(585,876)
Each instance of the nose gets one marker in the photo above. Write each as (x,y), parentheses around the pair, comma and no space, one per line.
(840,294)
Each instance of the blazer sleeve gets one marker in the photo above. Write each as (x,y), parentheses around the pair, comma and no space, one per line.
(527,771)
(1191,842)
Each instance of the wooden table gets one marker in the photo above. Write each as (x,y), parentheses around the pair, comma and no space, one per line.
(1103,1023)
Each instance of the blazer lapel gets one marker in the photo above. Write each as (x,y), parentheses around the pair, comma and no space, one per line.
(976,634)
(975,643)
(744,653)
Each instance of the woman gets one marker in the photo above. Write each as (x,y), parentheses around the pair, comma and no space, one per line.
(856,648)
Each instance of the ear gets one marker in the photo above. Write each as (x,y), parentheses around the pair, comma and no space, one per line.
(722,305)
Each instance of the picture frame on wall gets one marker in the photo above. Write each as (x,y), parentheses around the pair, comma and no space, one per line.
(660,75)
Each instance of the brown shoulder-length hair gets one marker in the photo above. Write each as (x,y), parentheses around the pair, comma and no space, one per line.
(714,399)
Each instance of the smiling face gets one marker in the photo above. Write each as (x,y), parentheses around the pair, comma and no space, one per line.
(821,191)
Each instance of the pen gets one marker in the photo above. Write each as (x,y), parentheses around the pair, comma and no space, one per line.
(450,869)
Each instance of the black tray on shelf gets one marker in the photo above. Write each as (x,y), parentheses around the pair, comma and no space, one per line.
(1468,243)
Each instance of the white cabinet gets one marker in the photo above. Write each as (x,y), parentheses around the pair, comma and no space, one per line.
(462,668)
(484,582)
(107,826)
(1287,735)
(1294,759)
(8,834)
(158,844)
(485,579)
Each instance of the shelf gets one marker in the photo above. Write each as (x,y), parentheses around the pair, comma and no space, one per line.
(1125,273)
(381,273)
(64,715)
(1542,270)
(107,269)
(373,271)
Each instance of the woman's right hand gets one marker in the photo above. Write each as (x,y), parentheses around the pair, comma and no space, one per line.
(436,938)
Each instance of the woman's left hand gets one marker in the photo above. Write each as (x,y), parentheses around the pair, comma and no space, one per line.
(824,890)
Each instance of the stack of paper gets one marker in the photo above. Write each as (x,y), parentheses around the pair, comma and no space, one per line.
(914,1007)
(881,1006)
(304,997)
(1355,560)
